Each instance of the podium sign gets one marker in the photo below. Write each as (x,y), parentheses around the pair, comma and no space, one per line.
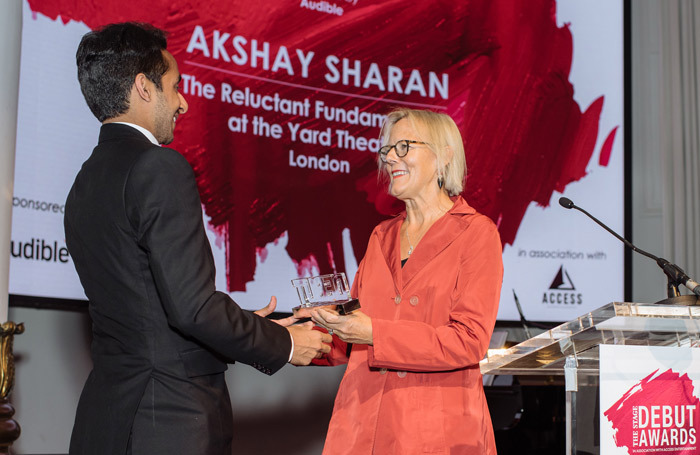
(649,400)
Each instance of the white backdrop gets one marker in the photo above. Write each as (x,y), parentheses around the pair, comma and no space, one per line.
(56,133)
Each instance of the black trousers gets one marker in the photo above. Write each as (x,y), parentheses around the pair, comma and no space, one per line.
(193,417)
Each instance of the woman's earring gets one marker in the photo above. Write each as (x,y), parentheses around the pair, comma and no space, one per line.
(440,182)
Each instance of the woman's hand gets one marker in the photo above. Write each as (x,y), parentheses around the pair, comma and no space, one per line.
(355,327)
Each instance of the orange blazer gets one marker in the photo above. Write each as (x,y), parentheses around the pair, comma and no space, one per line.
(418,389)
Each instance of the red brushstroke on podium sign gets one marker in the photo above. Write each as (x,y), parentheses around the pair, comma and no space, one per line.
(659,415)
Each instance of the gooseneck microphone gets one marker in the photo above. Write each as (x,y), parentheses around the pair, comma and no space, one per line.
(676,275)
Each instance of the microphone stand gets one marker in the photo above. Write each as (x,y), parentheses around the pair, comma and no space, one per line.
(525,323)
(674,274)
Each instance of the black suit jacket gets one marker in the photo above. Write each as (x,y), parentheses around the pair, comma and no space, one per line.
(162,334)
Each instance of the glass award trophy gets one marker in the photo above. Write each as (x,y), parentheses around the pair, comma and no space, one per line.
(330,290)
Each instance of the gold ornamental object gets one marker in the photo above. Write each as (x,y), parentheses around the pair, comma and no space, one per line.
(9,428)
(7,361)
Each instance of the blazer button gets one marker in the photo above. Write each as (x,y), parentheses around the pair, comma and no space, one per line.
(397,299)
(414,300)
(401,374)
(382,371)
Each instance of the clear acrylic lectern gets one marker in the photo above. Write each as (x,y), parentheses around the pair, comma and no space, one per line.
(571,349)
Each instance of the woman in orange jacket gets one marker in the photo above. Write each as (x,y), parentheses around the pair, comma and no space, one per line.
(429,286)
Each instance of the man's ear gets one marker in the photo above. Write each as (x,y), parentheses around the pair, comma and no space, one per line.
(143,87)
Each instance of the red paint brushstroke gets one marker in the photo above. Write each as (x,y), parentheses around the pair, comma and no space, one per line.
(307,266)
(606,149)
(262,253)
(508,65)
(660,414)
(331,261)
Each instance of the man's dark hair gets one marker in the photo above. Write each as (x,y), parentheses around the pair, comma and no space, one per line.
(109,60)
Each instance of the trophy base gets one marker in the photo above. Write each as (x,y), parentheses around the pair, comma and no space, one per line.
(344,307)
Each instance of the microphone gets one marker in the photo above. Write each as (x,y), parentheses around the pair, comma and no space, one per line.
(675,274)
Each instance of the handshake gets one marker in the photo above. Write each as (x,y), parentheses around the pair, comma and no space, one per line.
(326,300)
(309,344)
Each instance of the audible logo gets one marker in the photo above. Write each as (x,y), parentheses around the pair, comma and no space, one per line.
(39,250)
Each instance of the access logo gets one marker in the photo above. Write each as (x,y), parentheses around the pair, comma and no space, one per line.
(562,291)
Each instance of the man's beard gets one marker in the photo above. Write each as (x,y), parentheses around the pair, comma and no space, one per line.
(163,121)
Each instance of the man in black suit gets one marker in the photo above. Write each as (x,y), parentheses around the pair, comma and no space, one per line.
(162,334)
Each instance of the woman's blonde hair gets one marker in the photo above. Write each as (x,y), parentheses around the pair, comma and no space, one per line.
(442,136)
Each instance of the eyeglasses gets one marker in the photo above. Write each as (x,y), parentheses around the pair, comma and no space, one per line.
(401,147)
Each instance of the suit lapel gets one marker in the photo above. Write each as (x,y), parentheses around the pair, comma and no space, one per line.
(440,235)
(391,248)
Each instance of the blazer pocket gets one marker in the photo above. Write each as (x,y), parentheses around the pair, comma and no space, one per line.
(200,362)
